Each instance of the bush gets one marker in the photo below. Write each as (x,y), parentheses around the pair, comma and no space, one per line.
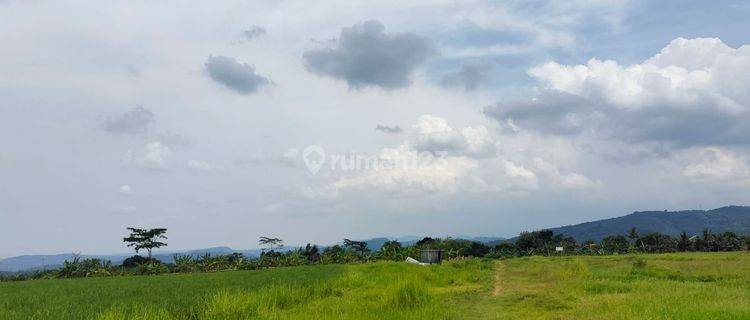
(137,260)
(85,268)
(152,268)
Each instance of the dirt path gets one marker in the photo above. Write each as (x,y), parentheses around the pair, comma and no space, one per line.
(497,286)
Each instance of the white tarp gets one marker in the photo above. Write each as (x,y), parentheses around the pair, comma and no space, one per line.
(414,261)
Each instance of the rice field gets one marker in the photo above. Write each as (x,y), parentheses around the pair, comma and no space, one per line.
(667,286)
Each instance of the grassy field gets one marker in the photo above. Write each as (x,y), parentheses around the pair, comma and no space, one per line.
(669,286)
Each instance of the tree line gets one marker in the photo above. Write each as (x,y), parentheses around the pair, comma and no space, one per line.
(274,254)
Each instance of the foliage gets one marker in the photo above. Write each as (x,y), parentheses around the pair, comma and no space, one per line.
(145,239)
(615,244)
(85,268)
(270,243)
(134,261)
(358,246)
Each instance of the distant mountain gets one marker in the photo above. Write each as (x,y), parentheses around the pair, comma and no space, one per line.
(41,262)
(731,218)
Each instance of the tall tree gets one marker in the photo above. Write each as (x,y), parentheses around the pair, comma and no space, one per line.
(146,239)
(358,246)
(684,243)
(270,243)
(633,234)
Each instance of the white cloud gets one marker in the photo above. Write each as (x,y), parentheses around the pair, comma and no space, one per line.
(719,165)
(200,165)
(289,157)
(468,168)
(125,189)
(436,136)
(694,92)
(569,180)
(428,175)
(152,156)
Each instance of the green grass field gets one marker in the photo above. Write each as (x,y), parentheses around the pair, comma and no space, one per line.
(668,286)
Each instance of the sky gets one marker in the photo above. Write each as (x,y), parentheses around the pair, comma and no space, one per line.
(226,121)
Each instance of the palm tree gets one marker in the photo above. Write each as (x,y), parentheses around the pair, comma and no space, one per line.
(633,234)
(708,239)
(684,243)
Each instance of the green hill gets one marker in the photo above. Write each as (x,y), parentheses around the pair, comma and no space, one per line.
(731,218)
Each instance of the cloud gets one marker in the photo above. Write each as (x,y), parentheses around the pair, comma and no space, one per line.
(240,77)
(137,120)
(364,55)
(125,189)
(200,165)
(288,158)
(440,161)
(253,32)
(389,129)
(471,76)
(429,175)
(434,135)
(570,180)
(693,93)
(717,164)
(152,156)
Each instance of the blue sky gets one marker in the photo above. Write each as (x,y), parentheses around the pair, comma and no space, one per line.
(484,118)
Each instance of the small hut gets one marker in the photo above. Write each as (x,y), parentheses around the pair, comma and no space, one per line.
(431,256)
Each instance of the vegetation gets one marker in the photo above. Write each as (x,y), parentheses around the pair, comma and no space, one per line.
(629,286)
(357,291)
(542,242)
(145,239)
(659,286)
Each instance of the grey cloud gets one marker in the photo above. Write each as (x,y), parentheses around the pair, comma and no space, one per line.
(676,126)
(365,55)
(471,76)
(552,112)
(441,143)
(253,32)
(240,77)
(389,129)
(134,121)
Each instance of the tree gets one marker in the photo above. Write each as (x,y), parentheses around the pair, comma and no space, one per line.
(684,243)
(633,235)
(358,246)
(270,243)
(615,244)
(707,241)
(477,249)
(146,239)
(504,249)
(728,241)
(658,243)
(426,241)
(391,250)
(310,252)
(536,242)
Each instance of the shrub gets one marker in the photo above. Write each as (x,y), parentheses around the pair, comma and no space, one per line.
(85,268)
(152,268)
(136,260)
